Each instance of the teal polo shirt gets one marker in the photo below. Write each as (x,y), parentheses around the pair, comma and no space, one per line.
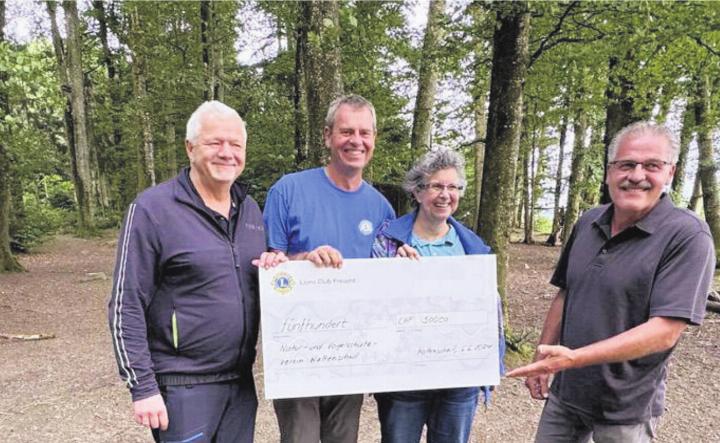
(444,246)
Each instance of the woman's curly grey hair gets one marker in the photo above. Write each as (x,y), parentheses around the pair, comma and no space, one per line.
(432,162)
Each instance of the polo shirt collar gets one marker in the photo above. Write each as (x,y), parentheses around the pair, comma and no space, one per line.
(647,224)
(449,239)
(657,215)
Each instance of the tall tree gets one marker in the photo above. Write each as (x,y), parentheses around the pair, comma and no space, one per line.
(619,111)
(480,124)
(212,54)
(146,150)
(7,260)
(707,166)
(83,150)
(557,210)
(576,174)
(323,73)
(420,140)
(696,194)
(113,143)
(509,68)
(686,135)
(300,115)
(62,74)
(479,94)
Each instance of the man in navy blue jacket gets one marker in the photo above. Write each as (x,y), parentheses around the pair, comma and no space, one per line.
(184,307)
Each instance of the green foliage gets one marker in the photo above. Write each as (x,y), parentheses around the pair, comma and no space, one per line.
(41,220)
(56,192)
(543,224)
(661,48)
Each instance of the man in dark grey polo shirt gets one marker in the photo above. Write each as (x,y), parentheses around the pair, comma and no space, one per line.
(632,276)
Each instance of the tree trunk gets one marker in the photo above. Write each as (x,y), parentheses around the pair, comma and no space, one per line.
(146,150)
(539,164)
(323,75)
(590,195)
(98,178)
(218,63)
(211,52)
(576,174)
(299,94)
(17,204)
(696,193)
(557,211)
(619,110)
(420,139)
(68,118)
(479,97)
(83,151)
(171,166)
(519,194)
(509,69)
(521,181)
(7,260)
(115,144)
(706,159)
(686,135)
(529,185)
(528,165)
(480,127)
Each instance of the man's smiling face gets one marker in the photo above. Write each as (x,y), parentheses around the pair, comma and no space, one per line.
(636,191)
(351,140)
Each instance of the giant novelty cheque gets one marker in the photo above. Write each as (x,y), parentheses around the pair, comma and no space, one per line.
(378,325)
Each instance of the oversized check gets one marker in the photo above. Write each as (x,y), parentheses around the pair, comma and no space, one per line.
(379,325)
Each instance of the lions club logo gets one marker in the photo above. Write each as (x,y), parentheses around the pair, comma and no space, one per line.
(283,283)
(365,227)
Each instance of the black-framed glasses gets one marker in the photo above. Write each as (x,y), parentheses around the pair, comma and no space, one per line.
(437,188)
(630,165)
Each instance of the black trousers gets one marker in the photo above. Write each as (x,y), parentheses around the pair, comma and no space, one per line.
(209,413)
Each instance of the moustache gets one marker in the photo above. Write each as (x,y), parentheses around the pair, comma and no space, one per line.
(627,185)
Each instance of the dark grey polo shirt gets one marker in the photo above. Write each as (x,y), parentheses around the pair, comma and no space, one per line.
(660,267)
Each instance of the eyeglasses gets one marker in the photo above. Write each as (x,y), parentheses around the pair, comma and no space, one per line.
(437,188)
(630,165)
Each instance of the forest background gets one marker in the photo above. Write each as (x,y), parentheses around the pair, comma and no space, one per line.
(94,97)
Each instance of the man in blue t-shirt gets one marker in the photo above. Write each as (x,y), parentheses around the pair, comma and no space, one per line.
(324,215)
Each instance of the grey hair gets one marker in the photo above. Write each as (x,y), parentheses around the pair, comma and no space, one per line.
(645,128)
(432,162)
(354,100)
(215,108)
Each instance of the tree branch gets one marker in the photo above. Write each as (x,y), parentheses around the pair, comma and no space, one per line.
(473,142)
(554,32)
(567,40)
(700,42)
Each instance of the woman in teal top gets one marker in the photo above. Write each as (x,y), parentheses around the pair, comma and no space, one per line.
(436,183)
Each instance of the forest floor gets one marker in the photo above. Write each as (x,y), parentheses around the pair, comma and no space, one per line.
(66,389)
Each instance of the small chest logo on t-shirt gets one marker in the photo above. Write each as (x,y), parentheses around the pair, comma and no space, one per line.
(365,227)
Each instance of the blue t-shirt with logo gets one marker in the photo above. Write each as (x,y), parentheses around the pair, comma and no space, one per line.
(305,210)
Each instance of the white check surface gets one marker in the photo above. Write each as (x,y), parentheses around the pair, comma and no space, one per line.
(379,325)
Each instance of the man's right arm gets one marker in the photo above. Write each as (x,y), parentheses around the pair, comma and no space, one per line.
(133,286)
